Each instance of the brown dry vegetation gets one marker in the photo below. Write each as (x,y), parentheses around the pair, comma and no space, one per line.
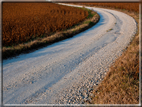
(47,39)
(125,6)
(121,84)
(22,22)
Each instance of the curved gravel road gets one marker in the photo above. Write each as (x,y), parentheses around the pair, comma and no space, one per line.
(65,72)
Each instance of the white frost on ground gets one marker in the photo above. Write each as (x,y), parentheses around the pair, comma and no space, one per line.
(65,72)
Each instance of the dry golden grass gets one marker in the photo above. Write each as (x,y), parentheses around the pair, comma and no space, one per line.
(121,84)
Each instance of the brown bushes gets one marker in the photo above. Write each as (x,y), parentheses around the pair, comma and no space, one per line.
(22,22)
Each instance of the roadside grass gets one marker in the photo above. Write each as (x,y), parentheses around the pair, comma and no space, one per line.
(90,12)
(11,51)
(121,83)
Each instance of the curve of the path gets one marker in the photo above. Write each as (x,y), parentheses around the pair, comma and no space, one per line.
(65,72)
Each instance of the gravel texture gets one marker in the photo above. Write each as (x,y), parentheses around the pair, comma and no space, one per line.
(66,72)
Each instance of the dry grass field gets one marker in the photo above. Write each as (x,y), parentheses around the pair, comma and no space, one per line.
(124,6)
(121,84)
(30,26)
(22,22)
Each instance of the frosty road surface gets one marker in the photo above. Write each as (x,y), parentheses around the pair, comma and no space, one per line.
(65,71)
